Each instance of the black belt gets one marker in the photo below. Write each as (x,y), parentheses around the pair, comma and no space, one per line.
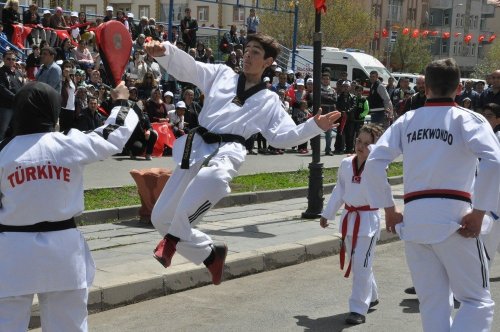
(44,226)
(438,193)
(209,138)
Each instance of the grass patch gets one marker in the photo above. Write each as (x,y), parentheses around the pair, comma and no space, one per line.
(96,199)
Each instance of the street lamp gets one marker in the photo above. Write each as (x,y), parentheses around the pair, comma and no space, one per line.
(315,191)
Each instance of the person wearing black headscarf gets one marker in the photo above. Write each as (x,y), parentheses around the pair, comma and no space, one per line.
(41,176)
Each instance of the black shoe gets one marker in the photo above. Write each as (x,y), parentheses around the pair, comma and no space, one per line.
(355,319)
(410,290)
(373,303)
(329,153)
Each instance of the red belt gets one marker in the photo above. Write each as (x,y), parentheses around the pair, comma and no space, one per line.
(355,231)
(438,193)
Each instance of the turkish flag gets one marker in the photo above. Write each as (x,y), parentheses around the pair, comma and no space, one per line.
(446,35)
(406,31)
(385,33)
(425,33)
(415,33)
(320,5)
(434,33)
(457,34)
(166,137)
(19,35)
(115,44)
(480,38)
(468,38)
(492,38)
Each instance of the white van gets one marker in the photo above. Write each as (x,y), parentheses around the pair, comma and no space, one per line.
(356,63)
(411,77)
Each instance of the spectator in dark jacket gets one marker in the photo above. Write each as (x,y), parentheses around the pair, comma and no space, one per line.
(11,81)
(10,16)
(89,118)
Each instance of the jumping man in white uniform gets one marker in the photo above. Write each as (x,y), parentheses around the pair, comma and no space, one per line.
(236,106)
(444,201)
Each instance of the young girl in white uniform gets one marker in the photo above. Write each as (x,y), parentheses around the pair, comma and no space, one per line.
(41,190)
(359,225)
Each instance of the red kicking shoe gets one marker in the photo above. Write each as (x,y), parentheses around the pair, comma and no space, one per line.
(216,266)
(164,251)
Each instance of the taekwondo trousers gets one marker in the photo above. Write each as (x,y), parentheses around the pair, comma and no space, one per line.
(492,241)
(60,311)
(187,196)
(459,265)
(364,287)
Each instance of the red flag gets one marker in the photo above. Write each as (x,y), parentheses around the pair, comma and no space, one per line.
(385,33)
(468,38)
(425,33)
(406,31)
(166,137)
(480,38)
(376,35)
(415,33)
(19,35)
(492,38)
(115,44)
(320,5)
(434,33)
(446,35)
(457,34)
(62,34)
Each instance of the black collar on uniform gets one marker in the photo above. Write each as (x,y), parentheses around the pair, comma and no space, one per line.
(241,94)
(440,100)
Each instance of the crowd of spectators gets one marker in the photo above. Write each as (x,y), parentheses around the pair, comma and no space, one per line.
(63,54)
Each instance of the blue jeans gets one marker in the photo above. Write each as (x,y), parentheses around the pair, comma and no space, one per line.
(5,119)
(328,140)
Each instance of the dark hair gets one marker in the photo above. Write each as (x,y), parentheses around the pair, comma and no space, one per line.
(442,77)
(49,49)
(373,72)
(268,43)
(495,108)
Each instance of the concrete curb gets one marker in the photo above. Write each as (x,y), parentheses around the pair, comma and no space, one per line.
(130,212)
(187,276)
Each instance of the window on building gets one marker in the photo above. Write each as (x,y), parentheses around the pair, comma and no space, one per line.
(238,14)
(89,9)
(431,19)
(482,24)
(395,10)
(376,10)
(444,48)
(455,44)
(459,50)
(457,20)
(143,11)
(473,49)
(446,19)
(476,20)
(462,17)
(202,13)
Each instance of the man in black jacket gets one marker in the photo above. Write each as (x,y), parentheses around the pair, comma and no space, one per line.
(11,81)
(89,118)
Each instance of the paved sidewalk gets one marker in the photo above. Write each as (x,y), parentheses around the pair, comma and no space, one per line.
(260,237)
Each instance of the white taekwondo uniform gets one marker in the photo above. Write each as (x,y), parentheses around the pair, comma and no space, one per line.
(440,144)
(492,237)
(190,193)
(41,179)
(348,191)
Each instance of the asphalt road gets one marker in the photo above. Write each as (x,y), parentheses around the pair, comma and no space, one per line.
(312,296)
